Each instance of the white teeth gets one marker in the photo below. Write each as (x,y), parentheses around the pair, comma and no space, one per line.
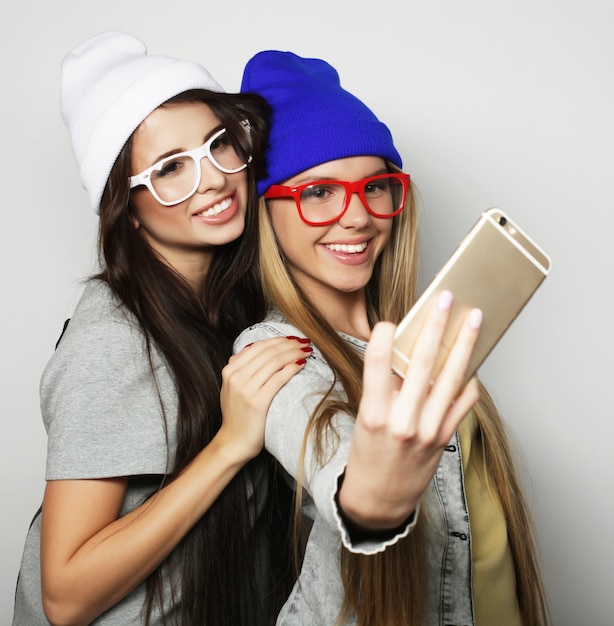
(216,209)
(349,248)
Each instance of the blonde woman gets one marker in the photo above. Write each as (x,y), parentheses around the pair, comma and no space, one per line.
(418,517)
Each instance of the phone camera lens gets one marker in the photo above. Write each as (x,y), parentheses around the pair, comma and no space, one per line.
(502,221)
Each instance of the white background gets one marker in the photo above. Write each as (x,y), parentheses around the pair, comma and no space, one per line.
(491,102)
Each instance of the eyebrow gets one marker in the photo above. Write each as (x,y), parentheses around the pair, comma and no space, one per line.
(311,179)
(174,151)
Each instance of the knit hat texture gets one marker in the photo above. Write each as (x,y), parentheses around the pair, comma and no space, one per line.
(109,86)
(314,120)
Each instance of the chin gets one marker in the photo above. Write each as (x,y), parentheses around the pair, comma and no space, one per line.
(355,284)
(353,288)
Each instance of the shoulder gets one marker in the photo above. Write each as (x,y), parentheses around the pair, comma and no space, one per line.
(102,346)
(100,308)
(274,325)
(104,395)
(100,323)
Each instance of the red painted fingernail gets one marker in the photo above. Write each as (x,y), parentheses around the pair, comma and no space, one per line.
(307,349)
(301,362)
(291,337)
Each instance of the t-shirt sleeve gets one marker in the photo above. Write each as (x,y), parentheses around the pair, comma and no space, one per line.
(101,406)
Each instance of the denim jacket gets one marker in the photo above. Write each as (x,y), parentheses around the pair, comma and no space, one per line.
(317,595)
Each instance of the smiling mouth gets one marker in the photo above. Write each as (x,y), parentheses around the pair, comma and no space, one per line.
(216,209)
(356,248)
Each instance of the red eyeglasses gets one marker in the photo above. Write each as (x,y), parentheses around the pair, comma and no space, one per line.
(323,202)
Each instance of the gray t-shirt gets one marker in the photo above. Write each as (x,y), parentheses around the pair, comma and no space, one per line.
(102,411)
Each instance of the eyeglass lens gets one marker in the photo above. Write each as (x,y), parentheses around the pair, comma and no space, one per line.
(323,202)
(179,175)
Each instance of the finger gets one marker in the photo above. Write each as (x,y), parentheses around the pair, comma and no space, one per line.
(257,347)
(257,353)
(377,379)
(255,365)
(276,381)
(448,384)
(465,401)
(419,375)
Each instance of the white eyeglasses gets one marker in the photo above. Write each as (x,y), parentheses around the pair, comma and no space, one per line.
(175,178)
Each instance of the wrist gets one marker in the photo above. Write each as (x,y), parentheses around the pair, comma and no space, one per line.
(368,517)
(232,449)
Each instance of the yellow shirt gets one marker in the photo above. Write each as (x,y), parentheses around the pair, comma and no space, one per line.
(494,583)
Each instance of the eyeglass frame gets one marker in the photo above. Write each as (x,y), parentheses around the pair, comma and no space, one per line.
(197,154)
(350,187)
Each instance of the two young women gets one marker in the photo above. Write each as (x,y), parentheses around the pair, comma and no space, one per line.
(154,507)
(153,511)
(418,516)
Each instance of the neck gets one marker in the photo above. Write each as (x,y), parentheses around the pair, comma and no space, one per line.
(193,268)
(346,313)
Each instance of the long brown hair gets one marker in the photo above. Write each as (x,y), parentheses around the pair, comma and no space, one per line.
(215,562)
(389,588)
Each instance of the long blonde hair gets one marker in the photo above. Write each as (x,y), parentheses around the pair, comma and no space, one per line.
(389,588)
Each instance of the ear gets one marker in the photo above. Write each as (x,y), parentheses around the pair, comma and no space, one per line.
(135,222)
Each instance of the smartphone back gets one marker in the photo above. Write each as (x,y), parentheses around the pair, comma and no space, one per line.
(496,268)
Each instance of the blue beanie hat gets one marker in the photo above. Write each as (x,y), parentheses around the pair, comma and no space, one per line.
(314,120)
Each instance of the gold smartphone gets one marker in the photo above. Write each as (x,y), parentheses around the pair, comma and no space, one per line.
(496,268)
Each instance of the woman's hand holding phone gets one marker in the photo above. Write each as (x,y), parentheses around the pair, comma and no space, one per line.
(403,425)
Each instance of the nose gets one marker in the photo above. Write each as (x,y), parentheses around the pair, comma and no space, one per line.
(356,215)
(210,176)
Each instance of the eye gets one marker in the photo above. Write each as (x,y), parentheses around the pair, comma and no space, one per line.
(221,143)
(171,167)
(377,186)
(319,193)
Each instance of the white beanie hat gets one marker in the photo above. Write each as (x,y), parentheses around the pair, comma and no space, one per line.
(109,86)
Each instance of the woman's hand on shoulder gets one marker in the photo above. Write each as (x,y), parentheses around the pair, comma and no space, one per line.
(250,381)
(403,426)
